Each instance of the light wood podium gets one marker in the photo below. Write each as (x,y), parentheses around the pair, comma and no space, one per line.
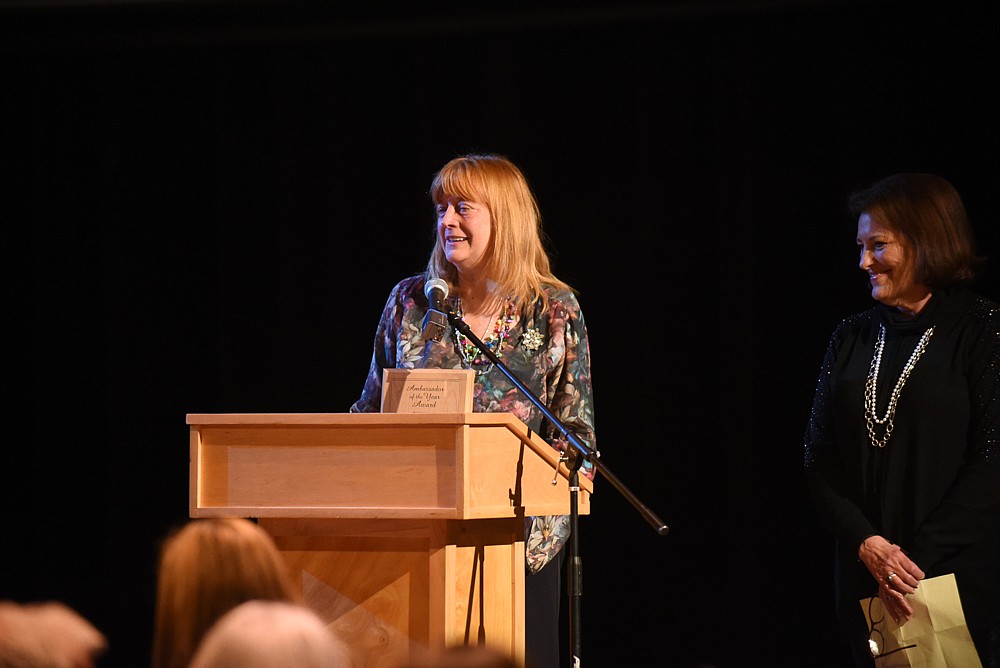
(404,531)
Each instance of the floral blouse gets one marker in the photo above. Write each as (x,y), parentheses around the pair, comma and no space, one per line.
(546,349)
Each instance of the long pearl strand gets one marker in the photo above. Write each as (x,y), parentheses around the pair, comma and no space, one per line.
(890,412)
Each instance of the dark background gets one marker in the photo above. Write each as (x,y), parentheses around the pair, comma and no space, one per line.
(207,203)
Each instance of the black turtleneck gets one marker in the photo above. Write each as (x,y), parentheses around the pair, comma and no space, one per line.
(934,488)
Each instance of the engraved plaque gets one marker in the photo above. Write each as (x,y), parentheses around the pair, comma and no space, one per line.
(427,390)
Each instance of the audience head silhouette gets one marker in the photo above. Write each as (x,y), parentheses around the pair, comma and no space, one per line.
(47,635)
(266,634)
(207,568)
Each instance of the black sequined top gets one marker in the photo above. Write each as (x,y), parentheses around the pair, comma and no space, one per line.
(934,489)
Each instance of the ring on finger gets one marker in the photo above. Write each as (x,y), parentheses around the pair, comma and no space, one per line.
(888,578)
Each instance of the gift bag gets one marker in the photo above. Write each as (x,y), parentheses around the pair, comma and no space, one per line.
(935,637)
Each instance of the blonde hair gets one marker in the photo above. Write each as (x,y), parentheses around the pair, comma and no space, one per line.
(260,634)
(207,568)
(516,258)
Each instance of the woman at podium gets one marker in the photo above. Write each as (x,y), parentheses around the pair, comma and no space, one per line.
(489,266)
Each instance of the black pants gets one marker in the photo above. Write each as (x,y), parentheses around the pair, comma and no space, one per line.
(542,600)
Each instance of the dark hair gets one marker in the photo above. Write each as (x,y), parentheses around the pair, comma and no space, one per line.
(929,213)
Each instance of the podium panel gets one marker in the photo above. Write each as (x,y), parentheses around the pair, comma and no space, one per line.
(444,466)
(393,589)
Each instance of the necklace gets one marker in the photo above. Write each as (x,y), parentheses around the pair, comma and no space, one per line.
(871,418)
(472,357)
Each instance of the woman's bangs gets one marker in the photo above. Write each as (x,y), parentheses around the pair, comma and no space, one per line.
(458,181)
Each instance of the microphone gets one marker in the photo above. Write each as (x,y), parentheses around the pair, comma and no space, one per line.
(436,321)
(436,291)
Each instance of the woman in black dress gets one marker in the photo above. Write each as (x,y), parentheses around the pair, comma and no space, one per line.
(901,450)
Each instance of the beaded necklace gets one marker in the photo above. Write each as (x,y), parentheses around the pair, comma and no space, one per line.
(871,418)
(472,357)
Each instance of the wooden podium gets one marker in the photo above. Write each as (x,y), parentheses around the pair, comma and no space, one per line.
(404,531)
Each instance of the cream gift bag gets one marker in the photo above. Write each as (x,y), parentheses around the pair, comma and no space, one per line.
(935,637)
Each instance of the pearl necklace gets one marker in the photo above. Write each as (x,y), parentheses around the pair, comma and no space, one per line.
(472,357)
(871,418)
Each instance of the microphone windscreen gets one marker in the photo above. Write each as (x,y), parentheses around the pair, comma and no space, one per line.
(436,290)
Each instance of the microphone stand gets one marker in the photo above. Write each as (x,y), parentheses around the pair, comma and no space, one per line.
(574,460)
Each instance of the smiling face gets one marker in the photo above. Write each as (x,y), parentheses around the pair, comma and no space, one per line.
(888,261)
(464,228)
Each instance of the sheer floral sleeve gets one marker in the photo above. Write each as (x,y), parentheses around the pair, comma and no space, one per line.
(390,332)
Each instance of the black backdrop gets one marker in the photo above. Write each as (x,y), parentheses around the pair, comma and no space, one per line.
(206,204)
